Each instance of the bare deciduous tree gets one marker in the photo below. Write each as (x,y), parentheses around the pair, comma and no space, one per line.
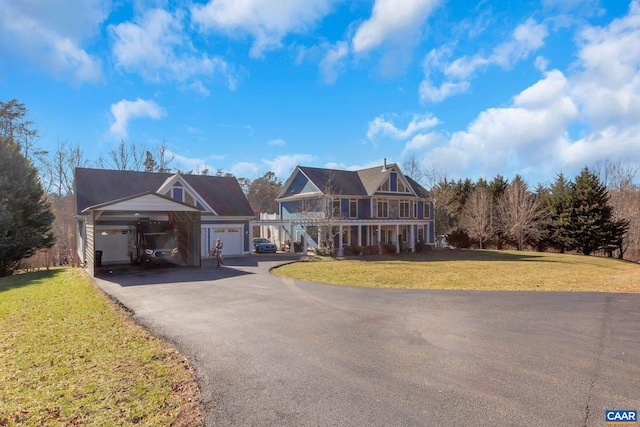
(411,167)
(624,197)
(519,210)
(127,156)
(477,216)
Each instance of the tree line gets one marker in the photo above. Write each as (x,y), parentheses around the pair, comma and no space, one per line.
(596,212)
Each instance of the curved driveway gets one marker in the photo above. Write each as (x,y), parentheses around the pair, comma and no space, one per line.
(271,351)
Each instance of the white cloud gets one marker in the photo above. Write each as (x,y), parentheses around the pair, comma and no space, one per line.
(282,166)
(526,39)
(422,141)
(40,32)
(125,110)
(381,127)
(431,93)
(267,22)
(611,143)
(245,170)
(333,61)
(277,142)
(395,21)
(156,46)
(608,83)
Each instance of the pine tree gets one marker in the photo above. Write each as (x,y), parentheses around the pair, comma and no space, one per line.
(559,205)
(592,226)
(25,215)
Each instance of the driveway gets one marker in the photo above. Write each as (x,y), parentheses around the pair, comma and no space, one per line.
(271,351)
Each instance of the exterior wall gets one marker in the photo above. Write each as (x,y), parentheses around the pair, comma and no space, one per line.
(364,208)
(81,241)
(89,255)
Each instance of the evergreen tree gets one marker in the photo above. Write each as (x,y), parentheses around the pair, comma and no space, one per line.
(592,226)
(25,215)
(559,205)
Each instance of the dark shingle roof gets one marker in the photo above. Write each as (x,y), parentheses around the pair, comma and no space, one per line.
(363,182)
(97,186)
(335,181)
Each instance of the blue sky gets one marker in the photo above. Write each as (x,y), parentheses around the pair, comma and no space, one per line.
(250,86)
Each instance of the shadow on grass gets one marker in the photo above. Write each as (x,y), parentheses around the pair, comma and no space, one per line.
(454,255)
(25,279)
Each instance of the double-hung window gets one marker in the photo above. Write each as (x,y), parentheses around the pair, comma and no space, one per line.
(383,208)
(353,208)
(405,211)
(335,208)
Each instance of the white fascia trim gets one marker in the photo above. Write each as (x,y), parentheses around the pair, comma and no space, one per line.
(169,183)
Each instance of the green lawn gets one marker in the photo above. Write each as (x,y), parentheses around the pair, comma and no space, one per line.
(69,357)
(473,269)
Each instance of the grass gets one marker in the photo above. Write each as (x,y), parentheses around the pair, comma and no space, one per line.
(474,269)
(69,357)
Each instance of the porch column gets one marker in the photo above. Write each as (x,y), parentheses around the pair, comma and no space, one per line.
(305,237)
(378,240)
(359,235)
(340,242)
(413,237)
(397,238)
(291,248)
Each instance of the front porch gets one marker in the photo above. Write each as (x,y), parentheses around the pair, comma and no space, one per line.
(403,234)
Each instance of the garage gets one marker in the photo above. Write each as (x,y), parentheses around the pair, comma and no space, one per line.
(198,208)
(230,235)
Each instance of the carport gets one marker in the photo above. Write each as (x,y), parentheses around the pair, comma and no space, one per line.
(105,230)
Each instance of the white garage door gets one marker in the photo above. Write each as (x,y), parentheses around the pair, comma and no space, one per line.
(113,242)
(231,237)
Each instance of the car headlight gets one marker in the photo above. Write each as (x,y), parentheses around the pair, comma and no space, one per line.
(148,251)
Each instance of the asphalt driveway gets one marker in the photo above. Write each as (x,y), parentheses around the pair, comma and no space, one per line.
(271,351)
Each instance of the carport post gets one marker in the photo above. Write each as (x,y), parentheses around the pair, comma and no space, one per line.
(291,245)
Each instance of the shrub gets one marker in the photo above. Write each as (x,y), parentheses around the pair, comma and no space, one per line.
(324,251)
(388,249)
(352,250)
(459,239)
(370,250)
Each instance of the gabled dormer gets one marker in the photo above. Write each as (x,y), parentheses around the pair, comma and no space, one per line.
(387,180)
(177,188)
(394,182)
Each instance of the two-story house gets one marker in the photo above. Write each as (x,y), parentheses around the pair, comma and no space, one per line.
(358,208)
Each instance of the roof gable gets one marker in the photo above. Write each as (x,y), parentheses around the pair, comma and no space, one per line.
(179,180)
(298,184)
(308,180)
(360,183)
(98,186)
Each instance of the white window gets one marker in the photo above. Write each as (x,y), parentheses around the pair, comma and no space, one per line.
(336,208)
(383,208)
(405,211)
(353,208)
